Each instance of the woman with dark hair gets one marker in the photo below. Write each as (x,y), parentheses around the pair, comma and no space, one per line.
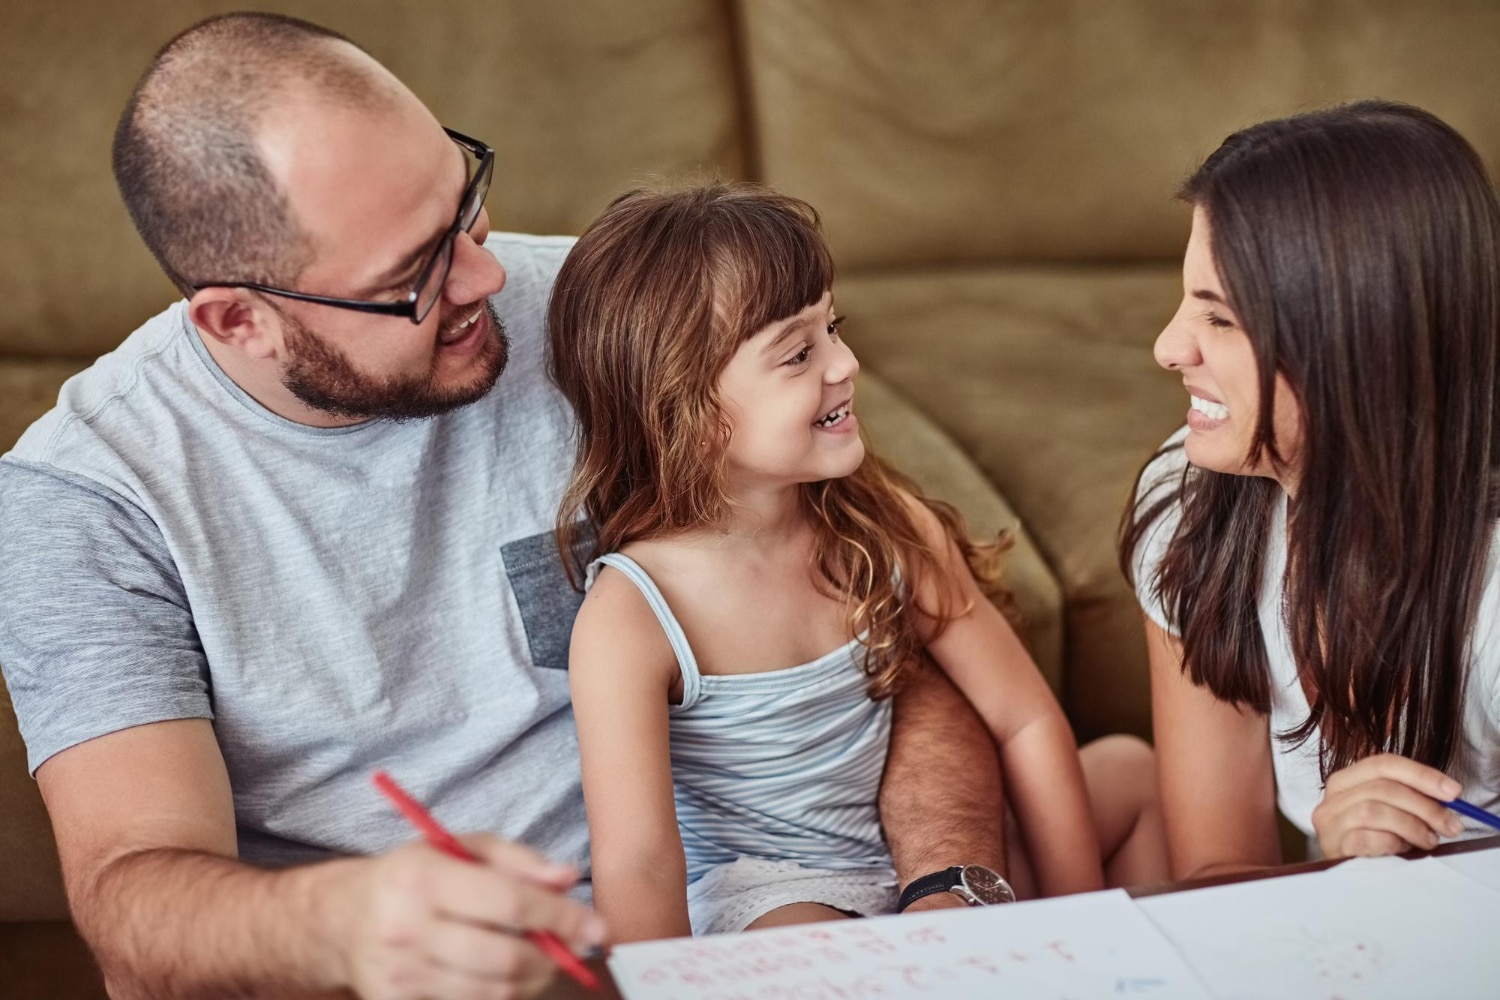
(1315,552)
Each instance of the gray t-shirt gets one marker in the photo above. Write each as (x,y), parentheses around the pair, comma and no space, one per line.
(386,595)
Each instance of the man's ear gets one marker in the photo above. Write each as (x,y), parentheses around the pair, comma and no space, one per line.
(234,318)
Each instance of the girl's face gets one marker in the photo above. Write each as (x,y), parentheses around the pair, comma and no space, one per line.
(789,395)
(1207,345)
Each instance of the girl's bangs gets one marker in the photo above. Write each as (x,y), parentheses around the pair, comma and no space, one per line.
(772,265)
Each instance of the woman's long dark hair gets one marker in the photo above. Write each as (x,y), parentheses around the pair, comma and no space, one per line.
(1360,248)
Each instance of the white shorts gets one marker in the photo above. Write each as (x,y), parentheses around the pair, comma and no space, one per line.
(731,896)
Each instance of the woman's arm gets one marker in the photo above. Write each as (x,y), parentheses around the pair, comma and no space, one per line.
(621,671)
(982,655)
(1218,791)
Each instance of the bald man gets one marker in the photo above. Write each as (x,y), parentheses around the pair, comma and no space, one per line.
(297,528)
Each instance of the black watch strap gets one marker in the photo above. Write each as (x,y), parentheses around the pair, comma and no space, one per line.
(941,881)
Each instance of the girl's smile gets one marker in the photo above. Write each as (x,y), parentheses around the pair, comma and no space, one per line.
(839,420)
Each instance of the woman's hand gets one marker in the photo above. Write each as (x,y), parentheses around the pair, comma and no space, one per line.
(1385,804)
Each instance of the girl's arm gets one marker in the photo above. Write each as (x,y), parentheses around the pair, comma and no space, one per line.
(1218,792)
(1038,755)
(621,672)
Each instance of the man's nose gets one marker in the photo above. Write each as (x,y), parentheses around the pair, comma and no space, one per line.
(475,273)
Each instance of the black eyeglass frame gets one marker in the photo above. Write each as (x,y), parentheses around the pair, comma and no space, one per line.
(469,207)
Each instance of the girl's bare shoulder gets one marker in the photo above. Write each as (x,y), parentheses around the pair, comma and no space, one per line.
(616,627)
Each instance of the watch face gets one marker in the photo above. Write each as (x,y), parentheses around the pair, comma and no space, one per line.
(987,886)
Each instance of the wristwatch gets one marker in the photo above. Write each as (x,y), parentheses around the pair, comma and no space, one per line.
(974,884)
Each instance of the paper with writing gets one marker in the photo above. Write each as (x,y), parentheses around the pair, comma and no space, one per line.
(1093,945)
(1385,930)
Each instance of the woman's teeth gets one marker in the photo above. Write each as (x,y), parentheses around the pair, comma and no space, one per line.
(833,418)
(1214,411)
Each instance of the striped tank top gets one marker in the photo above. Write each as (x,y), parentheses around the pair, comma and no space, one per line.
(783,765)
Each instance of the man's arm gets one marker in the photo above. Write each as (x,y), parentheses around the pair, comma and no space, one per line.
(145,828)
(941,800)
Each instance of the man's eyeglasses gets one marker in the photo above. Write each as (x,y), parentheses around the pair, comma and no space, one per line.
(429,286)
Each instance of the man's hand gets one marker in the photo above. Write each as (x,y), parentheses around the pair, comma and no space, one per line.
(935,901)
(145,828)
(1385,804)
(422,924)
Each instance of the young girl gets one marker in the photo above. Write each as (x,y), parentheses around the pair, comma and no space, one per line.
(760,587)
(1315,551)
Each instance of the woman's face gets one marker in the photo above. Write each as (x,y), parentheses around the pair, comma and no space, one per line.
(1206,344)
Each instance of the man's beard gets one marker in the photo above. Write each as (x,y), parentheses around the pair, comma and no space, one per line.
(323,377)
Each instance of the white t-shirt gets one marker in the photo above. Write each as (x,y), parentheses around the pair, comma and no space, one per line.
(1299,786)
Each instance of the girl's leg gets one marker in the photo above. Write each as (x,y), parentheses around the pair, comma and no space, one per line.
(796,913)
(1120,772)
(1018,871)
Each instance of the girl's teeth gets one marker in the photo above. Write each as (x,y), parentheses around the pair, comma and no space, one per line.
(1214,411)
(834,417)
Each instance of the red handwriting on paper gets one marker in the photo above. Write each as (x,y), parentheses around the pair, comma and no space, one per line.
(855,961)
(926,935)
(867,942)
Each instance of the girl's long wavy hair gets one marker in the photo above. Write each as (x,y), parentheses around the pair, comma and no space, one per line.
(649,307)
(1360,248)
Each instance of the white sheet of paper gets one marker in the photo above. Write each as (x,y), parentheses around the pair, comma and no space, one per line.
(1093,945)
(1482,866)
(1387,930)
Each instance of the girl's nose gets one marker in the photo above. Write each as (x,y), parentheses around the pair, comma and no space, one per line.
(843,365)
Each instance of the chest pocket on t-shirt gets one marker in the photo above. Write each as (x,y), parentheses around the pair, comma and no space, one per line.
(547,601)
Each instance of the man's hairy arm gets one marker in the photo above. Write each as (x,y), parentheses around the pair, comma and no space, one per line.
(145,829)
(941,800)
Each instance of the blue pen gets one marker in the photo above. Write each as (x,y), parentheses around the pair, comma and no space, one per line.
(1474,812)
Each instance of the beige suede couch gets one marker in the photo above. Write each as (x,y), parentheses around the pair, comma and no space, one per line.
(996,179)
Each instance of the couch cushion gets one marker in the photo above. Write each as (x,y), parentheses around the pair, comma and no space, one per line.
(900,433)
(1058,129)
(30,883)
(577,99)
(1044,376)
(47,960)
(28,388)
(30,880)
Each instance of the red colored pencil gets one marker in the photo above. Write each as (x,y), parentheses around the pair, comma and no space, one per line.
(448,844)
